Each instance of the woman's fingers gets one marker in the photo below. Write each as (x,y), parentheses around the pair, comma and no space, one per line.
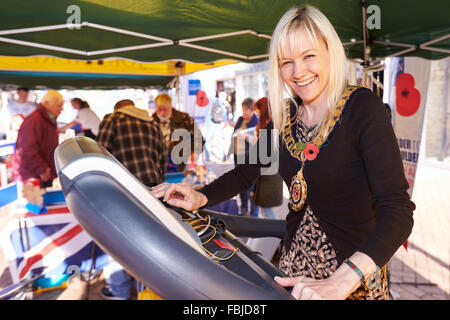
(297,291)
(165,190)
(186,205)
(288,281)
(309,290)
(303,287)
(175,190)
(158,191)
(303,291)
(179,195)
(316,296)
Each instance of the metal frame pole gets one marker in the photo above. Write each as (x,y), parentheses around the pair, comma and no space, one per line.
(446,113)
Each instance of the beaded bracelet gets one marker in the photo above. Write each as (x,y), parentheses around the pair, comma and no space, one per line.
(357,270)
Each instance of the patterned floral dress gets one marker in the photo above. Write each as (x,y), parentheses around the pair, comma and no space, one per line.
(311,254)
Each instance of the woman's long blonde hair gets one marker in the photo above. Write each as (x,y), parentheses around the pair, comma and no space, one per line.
(316,26)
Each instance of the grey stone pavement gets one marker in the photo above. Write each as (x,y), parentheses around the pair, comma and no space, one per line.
(420,273)
(423,271)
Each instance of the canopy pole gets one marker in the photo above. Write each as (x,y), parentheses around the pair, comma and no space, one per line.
(42,46)
(365,34)
(179,67)
(140,47)
(378,83)
(435,49)
(194,46)
(224,35)
(216,36)
(446,113)
(261,56)
(397,44)
(127,32)
(425,44)
(352,42)
(396,54)
(37,29)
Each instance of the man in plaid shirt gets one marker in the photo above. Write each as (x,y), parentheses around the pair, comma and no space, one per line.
(136,141)
(131,136)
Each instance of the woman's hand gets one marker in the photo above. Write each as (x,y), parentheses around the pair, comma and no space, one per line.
(310,289)
(180,195)
(336,287)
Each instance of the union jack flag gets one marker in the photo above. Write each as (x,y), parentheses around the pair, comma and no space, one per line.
(47,243)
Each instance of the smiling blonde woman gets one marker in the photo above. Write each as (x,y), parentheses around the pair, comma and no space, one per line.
(349,210)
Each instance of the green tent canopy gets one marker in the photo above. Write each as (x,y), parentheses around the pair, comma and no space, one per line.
(201,31)
(206,31)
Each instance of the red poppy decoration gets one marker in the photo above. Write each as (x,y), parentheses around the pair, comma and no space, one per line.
(408,97)
(202,99)
(311,151)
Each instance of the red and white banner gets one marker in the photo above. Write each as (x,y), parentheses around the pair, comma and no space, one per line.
(408,87)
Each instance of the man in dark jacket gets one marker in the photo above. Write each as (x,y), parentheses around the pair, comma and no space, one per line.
(169,119)
(37,140)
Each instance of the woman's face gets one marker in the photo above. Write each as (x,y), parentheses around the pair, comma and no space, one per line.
(306,68)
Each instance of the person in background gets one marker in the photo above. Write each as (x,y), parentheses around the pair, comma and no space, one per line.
(131,136)
(21,105)
(170,119)
(15,111)
(268,190)
(37,140)
(242,136)
(349,209)
(215,124)
(223,98)
(87,119)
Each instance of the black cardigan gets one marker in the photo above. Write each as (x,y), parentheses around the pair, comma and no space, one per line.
(356,185)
